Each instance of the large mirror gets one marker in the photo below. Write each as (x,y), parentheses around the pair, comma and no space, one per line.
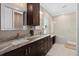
(12,16)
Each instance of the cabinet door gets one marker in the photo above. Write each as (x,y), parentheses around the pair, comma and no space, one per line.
(43,46)
(36,14)
(49,43)
(7,19)
(46,45)
(42,50)
(35,49)
(33,14)
(29,13)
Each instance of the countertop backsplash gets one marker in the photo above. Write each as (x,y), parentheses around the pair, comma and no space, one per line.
(11,34)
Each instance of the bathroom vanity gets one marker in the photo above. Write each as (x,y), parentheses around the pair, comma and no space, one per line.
(34,46)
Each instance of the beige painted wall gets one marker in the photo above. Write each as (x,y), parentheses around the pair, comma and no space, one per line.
(65,27)
(50,20)
(18,6)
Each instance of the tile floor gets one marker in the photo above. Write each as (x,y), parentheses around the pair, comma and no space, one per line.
(60,50)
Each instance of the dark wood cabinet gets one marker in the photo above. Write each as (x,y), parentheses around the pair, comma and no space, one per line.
(34,49)
(53,39)
(45,45)
(33,14)
(37,48)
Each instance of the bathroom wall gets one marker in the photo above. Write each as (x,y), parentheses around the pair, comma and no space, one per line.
(65,27)
(50,20)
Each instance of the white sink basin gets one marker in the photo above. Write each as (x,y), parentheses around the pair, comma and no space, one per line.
(23,40)
(19,41)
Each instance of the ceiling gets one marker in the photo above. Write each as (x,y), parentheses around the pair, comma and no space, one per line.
(56,9)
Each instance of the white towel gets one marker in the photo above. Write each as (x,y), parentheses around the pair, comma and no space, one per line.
(71,45)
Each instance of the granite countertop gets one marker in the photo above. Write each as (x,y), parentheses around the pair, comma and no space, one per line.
(16,43)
